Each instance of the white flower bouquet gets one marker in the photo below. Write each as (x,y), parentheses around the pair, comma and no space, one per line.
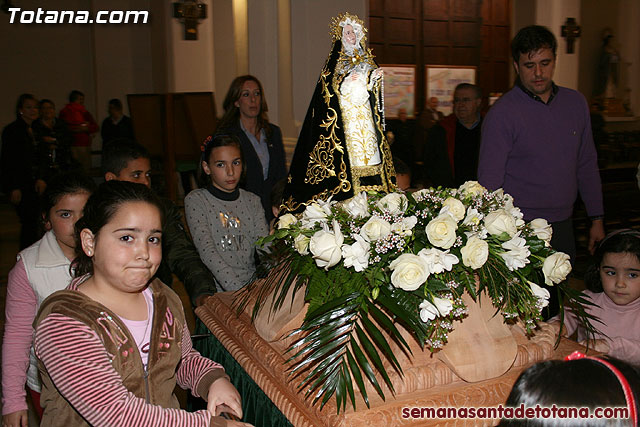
(377,260)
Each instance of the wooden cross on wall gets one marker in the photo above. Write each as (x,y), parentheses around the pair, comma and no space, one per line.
(190,12)
(570,31)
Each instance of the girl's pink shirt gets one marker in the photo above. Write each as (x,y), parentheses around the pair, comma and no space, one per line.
(20,311)
(620,327)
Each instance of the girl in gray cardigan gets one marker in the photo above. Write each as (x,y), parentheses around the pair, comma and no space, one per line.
(225,221)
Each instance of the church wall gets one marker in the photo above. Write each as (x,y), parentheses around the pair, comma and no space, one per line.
(594,20)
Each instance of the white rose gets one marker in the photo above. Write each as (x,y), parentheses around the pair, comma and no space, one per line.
(375,228)
(437,260)
(500,221)
(357,206)
(517,255)
(441,231)
(357,254)
(325,246)
(394,203)
(315,213)
(409,272)
(428,311)
(541,293)
(542,229)
(301,243)
(420,194)
(475,252)
(404,227)
(556,268)
(454,207)
(472,188)
(443,305)
(286,220)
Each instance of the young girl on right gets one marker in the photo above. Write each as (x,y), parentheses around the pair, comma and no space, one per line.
(613,282)
(113,345)
(225,221)
(40,270)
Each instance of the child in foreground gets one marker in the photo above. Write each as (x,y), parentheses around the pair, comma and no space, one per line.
(578,382)
(113,345)
(225,221)
(40,270)
(613,282)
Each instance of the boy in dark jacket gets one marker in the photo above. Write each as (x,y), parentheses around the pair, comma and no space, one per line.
(126,160)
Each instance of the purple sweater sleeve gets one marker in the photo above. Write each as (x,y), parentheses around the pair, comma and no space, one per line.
(79,366)
(18,336)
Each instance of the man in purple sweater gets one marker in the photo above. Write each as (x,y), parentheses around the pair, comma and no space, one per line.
(537,144)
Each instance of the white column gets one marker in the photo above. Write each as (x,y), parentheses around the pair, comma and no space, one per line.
(190,62)
(553,14)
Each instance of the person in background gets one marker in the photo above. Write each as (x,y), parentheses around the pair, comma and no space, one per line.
(245,116)
(40,270)
(82,126)
(451,157)
(403,175)
(126,160)
(117,125)
(537,145)
(19,173)
(403,131)
(53,142)
(225,220)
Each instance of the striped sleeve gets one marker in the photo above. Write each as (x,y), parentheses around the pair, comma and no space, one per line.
(79,367)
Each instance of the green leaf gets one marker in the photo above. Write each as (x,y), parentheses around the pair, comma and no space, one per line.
(365,366)
(373,355)
(380,341)
(357,376)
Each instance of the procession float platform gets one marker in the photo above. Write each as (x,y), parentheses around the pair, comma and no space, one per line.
(257,367)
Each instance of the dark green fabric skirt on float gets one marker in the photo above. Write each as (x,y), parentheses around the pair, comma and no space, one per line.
(258,409)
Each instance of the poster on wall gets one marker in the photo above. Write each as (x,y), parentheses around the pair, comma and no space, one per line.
(443,79)
(399,89)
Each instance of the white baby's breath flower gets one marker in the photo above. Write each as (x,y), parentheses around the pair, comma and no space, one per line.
(475,252)
(500,221)
(441,231)
(404,227)
(409,272)
(357,206)
(394,203)
(517,255)
(556,268)
(326,246)
(286,220)
(428,311)
(375,228)
(356,255)
(542,229)
(454,207)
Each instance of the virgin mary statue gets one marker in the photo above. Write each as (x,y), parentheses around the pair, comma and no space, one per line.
(342,149)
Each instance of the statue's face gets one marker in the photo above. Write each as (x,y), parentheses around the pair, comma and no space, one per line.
(348,35)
